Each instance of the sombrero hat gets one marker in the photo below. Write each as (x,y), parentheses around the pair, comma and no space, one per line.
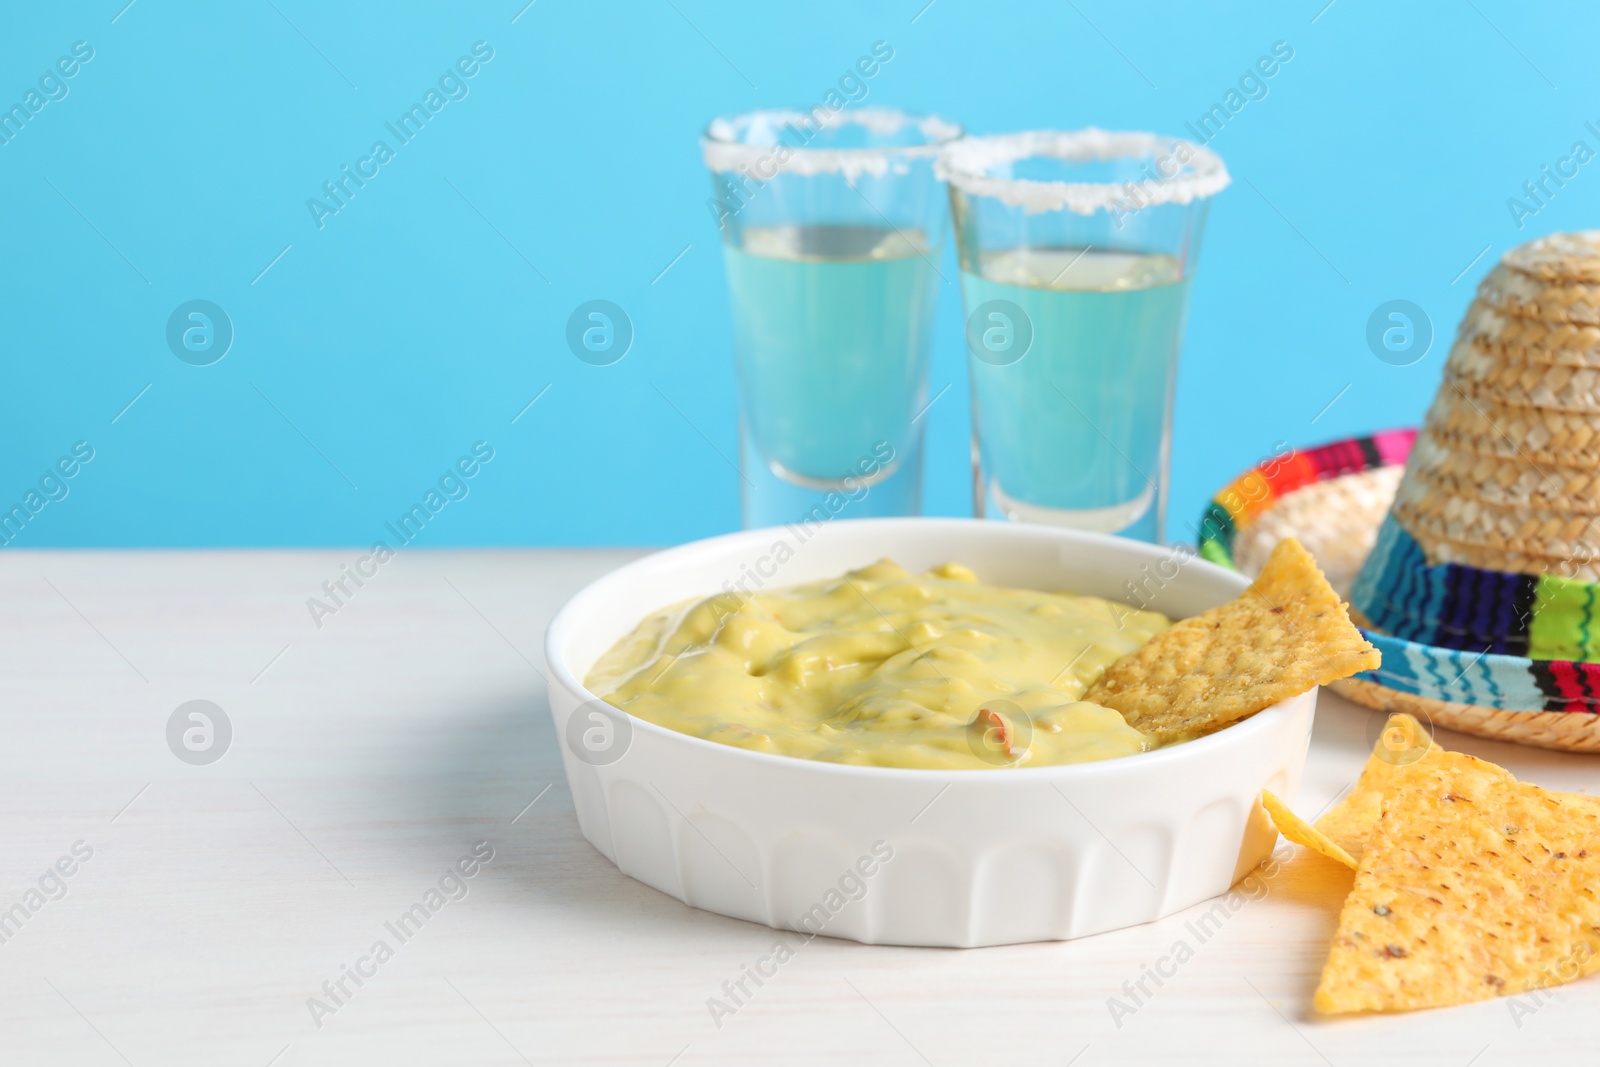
(1469,549)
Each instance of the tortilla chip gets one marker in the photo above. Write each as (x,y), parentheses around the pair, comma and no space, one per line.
(1284,635)
(1301,832)
(1404,743)
(1473,885)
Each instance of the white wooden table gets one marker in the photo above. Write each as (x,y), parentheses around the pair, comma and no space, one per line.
(368,756)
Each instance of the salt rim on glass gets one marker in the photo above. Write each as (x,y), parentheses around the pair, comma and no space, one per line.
(750,144)
(1199,172)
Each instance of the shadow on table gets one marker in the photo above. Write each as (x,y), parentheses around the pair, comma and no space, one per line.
(495,775)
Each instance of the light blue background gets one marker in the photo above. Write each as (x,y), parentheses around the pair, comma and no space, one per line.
(411,326)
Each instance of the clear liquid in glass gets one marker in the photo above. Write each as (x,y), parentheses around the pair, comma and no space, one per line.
(1075,433)
(832,326)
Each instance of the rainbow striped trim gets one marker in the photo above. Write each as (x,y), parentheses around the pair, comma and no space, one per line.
(1510,683)
(1500,661)
(1449,605)
(1256,490)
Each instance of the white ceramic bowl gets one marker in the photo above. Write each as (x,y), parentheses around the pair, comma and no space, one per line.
(979,857)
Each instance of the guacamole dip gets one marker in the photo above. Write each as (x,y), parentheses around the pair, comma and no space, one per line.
(885,668)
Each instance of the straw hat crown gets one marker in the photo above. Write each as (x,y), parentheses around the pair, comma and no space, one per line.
(1505,474)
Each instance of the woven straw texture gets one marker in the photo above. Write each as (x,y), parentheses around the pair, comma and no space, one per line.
(1540,729)
(1525,531)
(1525,385)
(1583,570)
(1506,469)
(1517,293)
(1489,333)
(1543,439)
(1336,520)
(1558,258)
(1502,481)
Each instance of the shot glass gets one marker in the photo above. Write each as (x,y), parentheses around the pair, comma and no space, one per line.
(832,225)
(1076,249)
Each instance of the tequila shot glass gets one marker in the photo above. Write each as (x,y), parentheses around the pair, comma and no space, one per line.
(1077,250)
(832,224)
